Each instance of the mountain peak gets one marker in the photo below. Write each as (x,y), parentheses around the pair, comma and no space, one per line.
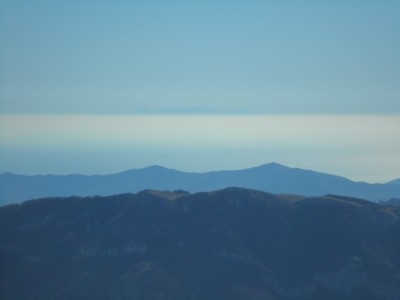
(155,167)
(273,165)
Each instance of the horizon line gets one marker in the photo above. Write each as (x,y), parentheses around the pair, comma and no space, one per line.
(216,113)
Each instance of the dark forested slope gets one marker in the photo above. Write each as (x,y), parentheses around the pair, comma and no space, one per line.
(228,244)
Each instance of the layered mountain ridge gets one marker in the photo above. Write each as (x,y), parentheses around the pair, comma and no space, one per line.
(271,177)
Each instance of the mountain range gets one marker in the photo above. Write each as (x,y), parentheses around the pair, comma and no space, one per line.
(233,243)
(273,177)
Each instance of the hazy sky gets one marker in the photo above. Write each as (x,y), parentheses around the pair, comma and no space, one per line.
(361,147)
(290,56)
(322,76)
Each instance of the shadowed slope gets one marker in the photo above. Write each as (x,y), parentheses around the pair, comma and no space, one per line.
(228,244)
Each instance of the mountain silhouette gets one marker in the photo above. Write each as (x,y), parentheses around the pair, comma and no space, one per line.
(271,177)
(227,244)
(396,181)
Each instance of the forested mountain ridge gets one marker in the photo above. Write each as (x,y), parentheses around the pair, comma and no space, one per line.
(227,244)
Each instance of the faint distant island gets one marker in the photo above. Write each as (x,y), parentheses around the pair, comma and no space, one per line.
(190,111)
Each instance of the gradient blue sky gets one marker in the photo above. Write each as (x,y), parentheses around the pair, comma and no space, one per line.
(322,76)
(101,57)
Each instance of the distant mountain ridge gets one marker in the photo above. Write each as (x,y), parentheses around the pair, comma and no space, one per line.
(272,177)
(230,244)
(396,181)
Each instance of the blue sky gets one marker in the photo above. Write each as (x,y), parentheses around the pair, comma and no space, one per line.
(75,74)
(102,57)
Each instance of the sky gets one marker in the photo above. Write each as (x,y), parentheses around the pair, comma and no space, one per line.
(89,61)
